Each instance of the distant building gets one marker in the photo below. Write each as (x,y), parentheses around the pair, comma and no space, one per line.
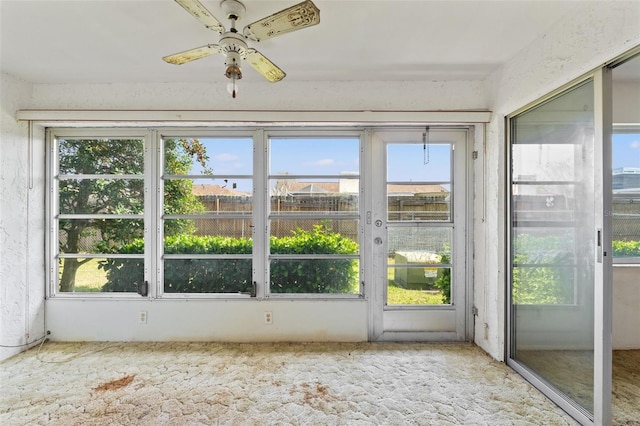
(626,178)
(206,190)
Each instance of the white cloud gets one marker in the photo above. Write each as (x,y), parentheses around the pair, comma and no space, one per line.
(225,157)
(325,162)
(635,144)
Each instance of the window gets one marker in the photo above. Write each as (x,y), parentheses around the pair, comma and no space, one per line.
(626,195)
(419,222)
(181,214)
(314,228)
(207,215)
(98,208)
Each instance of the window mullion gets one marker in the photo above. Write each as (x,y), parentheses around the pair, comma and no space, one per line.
(151,214)
(260,212)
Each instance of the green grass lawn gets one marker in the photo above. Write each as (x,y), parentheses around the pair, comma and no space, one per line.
(90,278)
(402,296)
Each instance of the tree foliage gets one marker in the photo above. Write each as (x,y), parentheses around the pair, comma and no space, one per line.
(101,187)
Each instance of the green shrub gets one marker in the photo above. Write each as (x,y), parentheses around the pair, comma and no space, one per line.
(314,275)
(543,271)
(124,275)
(235,275)
(626,248)
(443,280)
(207,275)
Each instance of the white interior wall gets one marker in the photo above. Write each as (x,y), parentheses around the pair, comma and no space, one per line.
(293,96)
(626,101)
(626,307)
(21,223)
(569,49)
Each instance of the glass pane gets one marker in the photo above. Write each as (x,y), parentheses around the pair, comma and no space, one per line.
(544,162)
(92,196)
(101,156)
(409,202)
(219,156)
(543,203)
(420,285)
(544,266)
(101,236)
(626,196)
(417,162)
(414,275)
(323,276)
(78,275)
(314,156)
(314,236)
(552,242)
(420,240)
(314,196)
(207,276)
(208,196)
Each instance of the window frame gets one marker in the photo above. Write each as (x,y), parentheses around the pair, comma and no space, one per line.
(624,129)
(153,216)
(294,133)
(160,179)
(53,210)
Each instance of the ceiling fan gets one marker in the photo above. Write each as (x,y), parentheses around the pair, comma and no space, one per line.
(233,45)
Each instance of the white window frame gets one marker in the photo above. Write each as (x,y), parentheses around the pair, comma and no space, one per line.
(153,208)
(625,129)
(53,215)
(268,215)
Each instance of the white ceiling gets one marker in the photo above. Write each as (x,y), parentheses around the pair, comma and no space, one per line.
(123,41)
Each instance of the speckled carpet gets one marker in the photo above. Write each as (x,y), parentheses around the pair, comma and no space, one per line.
(266,384)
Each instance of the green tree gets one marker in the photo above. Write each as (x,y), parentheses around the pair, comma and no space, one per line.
(94,194)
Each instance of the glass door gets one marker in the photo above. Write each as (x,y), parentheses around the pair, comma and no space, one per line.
(559,252)
(420,234)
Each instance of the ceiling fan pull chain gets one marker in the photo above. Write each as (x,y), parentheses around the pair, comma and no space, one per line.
(425,145)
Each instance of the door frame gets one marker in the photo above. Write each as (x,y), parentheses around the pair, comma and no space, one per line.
(602,350)
(376,210)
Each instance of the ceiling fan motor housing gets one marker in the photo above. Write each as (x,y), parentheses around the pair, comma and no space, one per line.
(232,9)
(234,48)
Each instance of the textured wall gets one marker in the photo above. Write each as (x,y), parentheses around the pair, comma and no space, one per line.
(21,224)
(294,95)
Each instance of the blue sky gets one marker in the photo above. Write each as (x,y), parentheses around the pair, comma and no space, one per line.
(626,150)
(325,156)
(328,156)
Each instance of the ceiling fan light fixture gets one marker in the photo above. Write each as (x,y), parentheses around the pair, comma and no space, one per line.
(232,88)
(233,72)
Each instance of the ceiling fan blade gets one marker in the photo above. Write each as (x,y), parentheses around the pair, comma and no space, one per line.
(201,13)
(264,66)
(192,55)
(296,17)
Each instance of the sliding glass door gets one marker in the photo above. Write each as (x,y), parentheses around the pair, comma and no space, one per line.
(559,254)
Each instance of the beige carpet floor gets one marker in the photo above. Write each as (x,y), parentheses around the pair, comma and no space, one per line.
(267,384)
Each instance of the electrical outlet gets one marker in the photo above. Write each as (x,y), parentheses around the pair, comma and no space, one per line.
(143,317)
(268,317)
